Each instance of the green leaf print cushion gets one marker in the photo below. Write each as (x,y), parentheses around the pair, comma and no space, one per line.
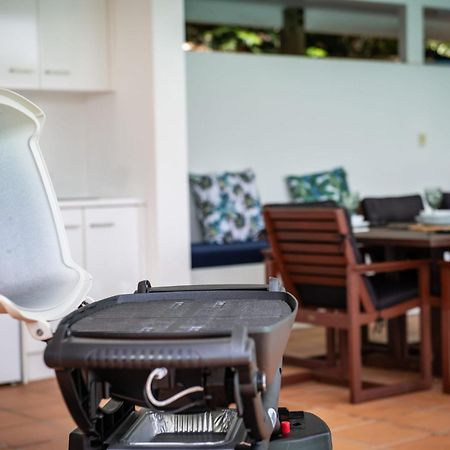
(319,186)
(227,206)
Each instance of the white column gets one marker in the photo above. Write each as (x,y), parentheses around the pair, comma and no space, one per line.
(170,212)
(412,45)
(137,133)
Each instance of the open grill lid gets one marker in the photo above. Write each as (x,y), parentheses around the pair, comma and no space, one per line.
(39,281)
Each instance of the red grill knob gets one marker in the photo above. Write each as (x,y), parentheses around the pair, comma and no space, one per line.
(285,427)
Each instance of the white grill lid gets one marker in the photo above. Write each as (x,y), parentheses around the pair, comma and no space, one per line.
(39,282)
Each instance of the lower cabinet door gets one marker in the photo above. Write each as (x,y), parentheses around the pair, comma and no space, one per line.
(113,250)
(35,367)
(10,350)
(73,223)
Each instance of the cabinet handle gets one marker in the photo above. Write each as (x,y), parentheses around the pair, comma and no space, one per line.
(72,227)
(102,225)
(21,70)
(58,72)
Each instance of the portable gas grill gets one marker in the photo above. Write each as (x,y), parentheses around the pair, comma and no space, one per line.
(163,368)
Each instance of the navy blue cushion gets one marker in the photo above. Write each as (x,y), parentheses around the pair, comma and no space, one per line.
(211,255)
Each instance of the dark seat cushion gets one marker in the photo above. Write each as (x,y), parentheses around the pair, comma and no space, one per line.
(379,211)
(387,290)
(322,296)
(211,255)
(391,290)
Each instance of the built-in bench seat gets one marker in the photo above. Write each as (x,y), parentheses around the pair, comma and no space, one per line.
(213,255)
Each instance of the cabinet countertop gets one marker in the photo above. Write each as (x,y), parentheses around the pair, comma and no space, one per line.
(98,202)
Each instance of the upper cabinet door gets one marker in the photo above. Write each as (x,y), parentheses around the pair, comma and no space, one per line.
(74,44)
(19,44)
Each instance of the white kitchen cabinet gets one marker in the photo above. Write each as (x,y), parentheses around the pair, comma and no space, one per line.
(73,44)
(19,54)
(34,365)
(10,350)
(73,223)
(54,44)
(106,238)
(113,250)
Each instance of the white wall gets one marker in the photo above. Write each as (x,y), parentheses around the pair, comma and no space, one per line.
(64,140)
(120,130)
(291,115)
(256,14)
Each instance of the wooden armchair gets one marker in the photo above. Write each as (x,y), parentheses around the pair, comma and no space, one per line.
(314,252)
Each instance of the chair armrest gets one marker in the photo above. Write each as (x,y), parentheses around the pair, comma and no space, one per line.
(390,266)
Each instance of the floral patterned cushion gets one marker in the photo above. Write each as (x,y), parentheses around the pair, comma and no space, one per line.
(227,206)
(320,186)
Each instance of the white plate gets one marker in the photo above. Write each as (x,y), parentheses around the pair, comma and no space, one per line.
(436,212)
(363,224)
(438,217)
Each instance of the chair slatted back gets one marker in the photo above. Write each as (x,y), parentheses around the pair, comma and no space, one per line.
(310,245)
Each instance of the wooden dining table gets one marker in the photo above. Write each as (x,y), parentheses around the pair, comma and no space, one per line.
(399,235)
(433,245)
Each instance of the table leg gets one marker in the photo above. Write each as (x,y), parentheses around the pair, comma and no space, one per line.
(398,337)
(445,333)
(397,327)
(436,255)
(444,327)
(436,336)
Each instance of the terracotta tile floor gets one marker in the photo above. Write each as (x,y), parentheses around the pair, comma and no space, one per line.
(33,417)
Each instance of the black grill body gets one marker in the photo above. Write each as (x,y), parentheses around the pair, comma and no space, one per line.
(228,340)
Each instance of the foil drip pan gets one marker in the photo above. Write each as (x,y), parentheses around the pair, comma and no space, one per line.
(167,429)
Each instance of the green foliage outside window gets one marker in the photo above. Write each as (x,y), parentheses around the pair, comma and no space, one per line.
(225,38)
(437,50)
(232,39)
